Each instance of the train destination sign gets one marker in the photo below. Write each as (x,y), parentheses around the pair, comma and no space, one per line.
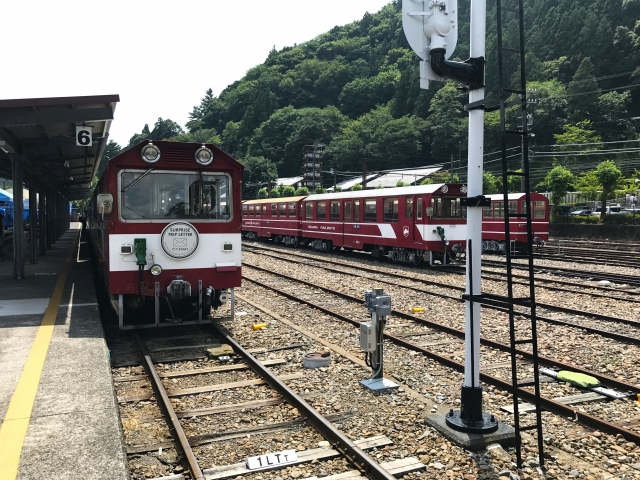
(179,239)
(271,459)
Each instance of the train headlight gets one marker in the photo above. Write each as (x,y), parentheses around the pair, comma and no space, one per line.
(444,189)
(463,189)
(204,156)
(150,153)
(155,270)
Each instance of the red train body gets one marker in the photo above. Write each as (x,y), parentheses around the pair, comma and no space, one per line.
(170,228)
(408,224)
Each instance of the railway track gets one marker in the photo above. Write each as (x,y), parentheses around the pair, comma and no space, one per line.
(406,340)
(165,378)
(619,336)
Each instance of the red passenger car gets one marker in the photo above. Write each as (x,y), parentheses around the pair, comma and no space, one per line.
(274,218)
(493,234)
(165,223)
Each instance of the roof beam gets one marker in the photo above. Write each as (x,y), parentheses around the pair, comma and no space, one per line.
(41,117)
(54,142)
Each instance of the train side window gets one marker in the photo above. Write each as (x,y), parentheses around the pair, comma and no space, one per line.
(370,211)
(251,210)
(436,205)
(513,207)
(264,210)
(356,210)
(308,210)
(455,210)
(539,209)
(348,217)
(283,209)
(419,209)
(321,211)
(274,210)
(391,210)
(498,210)
(335,210)
(245,209)
(487,212)
(292,209)
(408,209)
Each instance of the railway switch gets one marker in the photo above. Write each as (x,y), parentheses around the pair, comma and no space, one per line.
(371,339)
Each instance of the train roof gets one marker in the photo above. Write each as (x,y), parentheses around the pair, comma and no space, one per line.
(514,196)
(378,192)
(273,200)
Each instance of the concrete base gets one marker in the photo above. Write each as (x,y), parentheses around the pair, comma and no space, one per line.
(505,435)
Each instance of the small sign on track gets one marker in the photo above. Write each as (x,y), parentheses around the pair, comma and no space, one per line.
(271,459)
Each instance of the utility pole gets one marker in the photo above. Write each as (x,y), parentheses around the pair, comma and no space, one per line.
(364,174)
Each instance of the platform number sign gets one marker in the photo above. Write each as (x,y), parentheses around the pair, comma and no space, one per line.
(83,136)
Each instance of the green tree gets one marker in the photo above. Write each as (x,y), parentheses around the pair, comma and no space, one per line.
(263,193)
(558,179)
(302,192)
(379,187)
(401,183)
(445,123)
(426,181)
(319,189)
(490,183)
(111,150)
(583,91)
(288,191)
(275,193)
(608,175)
(356,187)
(258,171)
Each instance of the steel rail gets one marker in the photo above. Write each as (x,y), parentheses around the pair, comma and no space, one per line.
(488,275)
(604,379)
(161,392)
(604,333)
(371,469)
(545,306)
(548,404)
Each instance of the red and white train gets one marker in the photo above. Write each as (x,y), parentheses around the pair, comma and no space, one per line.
(418,224)
(165,223)
(407,224)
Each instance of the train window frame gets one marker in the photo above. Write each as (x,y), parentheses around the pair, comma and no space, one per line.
(323,215)
(445,207)
(264,210)
(408,207)
(487,212)
(251,211)
(292,209)
(229,196)
(348,211)
(419,208)
(371,216)
(283,210)
(539,209)
(356,211)
(498,212)
(390,210)
(308,210)
(274,210)
(334,216)
(245,210)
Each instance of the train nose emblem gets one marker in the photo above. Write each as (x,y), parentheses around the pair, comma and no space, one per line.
(405,231)
(179,240)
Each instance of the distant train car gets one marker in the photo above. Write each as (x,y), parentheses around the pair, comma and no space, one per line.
(165,223)
(493,233)
(406,224)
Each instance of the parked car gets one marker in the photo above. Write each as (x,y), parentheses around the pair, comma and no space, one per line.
(583,212)
(564,210)
(614,210)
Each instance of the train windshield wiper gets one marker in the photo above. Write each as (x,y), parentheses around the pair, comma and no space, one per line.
(137,180)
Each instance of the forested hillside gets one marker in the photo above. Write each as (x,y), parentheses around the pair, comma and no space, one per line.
(356,89)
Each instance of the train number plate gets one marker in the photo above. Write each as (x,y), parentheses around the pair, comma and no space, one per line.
(278,458)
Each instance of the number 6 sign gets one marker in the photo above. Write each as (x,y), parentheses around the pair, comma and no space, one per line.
(83,136)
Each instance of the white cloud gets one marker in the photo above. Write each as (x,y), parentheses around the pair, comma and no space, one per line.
(159,56)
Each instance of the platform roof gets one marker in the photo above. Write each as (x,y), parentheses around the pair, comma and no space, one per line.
(44,130)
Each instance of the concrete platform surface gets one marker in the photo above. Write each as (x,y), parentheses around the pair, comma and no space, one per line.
(73,430)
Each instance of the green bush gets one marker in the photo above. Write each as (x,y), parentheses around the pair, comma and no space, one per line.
(591,219)
(622,219)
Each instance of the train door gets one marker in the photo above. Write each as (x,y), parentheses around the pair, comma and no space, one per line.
(418,212)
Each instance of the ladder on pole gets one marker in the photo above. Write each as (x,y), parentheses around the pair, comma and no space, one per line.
(506,9)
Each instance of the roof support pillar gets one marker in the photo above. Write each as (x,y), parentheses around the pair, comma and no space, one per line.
(42,224)
(18,216)
(50,216)
(33,220)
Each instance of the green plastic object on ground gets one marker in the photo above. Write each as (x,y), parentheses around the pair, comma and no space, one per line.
(578,379)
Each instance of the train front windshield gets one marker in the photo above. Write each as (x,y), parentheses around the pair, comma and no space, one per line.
(157,195)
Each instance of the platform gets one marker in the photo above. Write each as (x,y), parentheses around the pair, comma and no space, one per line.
(58,412)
